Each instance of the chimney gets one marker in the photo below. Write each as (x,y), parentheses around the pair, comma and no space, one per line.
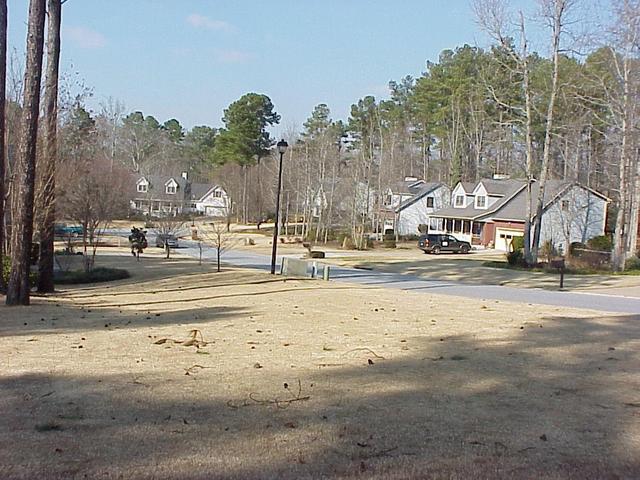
(500,176)
(410,179)
(185,175)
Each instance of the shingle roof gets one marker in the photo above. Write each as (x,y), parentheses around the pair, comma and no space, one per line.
(199,190)
(424,190)
(408,187)
(157,188)
(506,188)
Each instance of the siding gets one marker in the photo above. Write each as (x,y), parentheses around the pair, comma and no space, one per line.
(583,219)
(418,213)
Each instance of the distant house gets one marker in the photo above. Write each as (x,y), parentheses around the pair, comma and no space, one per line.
(409,204)
(492,212)
(159,195)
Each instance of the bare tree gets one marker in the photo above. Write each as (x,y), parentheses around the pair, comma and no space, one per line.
(22,219)
(554,12)
(220,239)
(47,207)
(168,228)
(493,17)
(623,104)
(3,81)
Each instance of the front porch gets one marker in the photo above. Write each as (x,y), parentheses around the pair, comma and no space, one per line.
(461,228)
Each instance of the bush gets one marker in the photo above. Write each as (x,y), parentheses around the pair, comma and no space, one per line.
(6,271)
(517,243)
(632,264)
(575,249)
(602,243)
(99,274)
(389,241)
(516,258)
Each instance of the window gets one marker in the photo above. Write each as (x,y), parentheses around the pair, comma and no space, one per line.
(217,194)
(481,201)
(143,187)
(429,202)
(564,205)
(459,200)
(171,189)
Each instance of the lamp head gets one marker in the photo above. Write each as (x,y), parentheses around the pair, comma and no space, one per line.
(282,146)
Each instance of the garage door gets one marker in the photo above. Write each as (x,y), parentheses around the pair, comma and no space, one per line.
(504,236)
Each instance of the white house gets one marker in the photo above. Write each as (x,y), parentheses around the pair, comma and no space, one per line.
(408,204)
(159,195)
(493,212)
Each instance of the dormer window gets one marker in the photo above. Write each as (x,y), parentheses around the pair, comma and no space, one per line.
(171,187)
(142,186)
(459,202)
(481,201)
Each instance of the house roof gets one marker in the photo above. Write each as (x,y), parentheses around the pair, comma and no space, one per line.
(512,205)
(554,189)
(200,190)
(425,189)
(506,190)
(157,187)
(408,187)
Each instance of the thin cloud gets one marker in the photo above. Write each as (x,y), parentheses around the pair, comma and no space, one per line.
(233,56)
(84,37)
(200,21)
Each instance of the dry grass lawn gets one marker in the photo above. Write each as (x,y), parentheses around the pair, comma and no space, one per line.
(302,379)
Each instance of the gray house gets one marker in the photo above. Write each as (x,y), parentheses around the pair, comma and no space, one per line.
(492,212)
(409,204)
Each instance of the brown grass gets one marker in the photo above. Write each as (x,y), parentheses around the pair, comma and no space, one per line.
(380,384)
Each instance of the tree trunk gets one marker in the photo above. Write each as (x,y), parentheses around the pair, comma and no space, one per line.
(559,9)
(45,265)
(529,140)
(22,228)
(3,76)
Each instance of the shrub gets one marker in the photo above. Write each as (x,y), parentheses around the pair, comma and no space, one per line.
(516,258)
(99,274)
(517,243)
(632,264)
(602,243)
(575,249)
(6,271)
(389,241)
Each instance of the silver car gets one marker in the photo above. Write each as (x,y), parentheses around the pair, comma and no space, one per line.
(163,240)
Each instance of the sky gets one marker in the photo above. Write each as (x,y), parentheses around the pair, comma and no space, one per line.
(189,59)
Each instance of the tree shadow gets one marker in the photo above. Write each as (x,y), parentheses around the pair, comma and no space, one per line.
(552,399)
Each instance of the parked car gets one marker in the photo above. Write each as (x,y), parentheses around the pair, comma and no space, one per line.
(162,240)
(436,243)
(64,230)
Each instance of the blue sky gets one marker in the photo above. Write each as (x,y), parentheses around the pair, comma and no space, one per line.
(189,59)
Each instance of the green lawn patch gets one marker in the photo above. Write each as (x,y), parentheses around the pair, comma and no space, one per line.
(99,274)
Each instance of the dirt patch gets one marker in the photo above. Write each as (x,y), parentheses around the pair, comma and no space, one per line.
(260,377)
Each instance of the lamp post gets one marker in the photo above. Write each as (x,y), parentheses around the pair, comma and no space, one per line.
(282,148)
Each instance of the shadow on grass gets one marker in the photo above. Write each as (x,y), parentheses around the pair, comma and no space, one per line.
(556,399)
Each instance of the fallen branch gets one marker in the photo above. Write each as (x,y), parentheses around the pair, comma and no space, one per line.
(276,401)
(363,349)
(191,342)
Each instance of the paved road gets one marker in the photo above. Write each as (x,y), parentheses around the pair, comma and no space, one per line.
(607,303)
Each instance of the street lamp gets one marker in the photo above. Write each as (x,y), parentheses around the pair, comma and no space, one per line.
(282,148)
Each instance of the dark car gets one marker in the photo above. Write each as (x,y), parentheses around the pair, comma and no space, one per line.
(436,243)
(163,240)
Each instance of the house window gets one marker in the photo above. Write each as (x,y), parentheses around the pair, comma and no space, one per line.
(387,200)
(429,202)
(217,194)
(564,205)
(142,187)
(481,201)
(171,189)
(459,200)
